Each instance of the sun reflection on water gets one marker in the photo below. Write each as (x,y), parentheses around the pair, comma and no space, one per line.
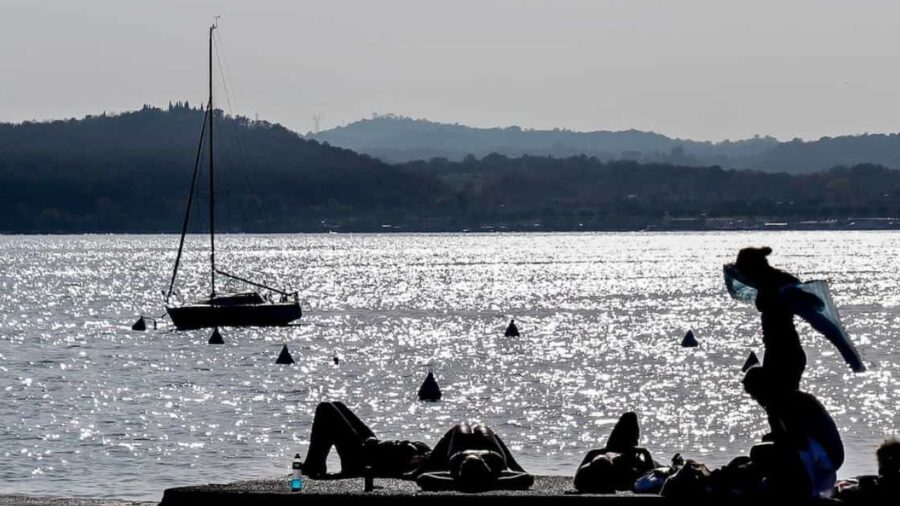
(89,402)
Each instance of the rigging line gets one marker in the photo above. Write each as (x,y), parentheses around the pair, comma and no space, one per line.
(235,127)
(228,210)
(187,214)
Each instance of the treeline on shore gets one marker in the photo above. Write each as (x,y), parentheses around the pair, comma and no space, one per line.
(131,173)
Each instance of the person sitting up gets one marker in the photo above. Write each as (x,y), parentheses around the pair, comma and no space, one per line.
(471,459)
(801,455)
(618,464)
(357,446)
(879,489)
(888,455)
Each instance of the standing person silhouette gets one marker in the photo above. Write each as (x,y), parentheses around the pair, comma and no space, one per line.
(784,359)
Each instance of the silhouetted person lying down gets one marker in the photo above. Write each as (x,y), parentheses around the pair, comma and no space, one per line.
(472,459)
(802,454)
(617,465)
(357,446)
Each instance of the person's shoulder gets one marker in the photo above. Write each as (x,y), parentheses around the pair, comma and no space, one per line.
(807,397)
(780,278)
(800,400)
(798,396)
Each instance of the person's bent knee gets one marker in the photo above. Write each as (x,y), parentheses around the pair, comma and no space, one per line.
(325,408)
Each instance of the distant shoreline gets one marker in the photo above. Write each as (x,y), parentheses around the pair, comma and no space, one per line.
(687,226)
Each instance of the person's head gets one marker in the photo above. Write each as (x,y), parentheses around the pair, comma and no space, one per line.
(370,443)
(888,455)
(752,262)
(475,474)
(758,384)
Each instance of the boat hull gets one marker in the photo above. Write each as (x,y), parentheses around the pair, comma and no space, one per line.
(199,316)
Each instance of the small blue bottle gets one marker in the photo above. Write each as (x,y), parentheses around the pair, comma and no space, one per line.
(296,475)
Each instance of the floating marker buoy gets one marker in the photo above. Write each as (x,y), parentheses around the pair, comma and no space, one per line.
(752,361)
(512,330)
(689,340)
(337,360)
(216,337)
(429,391)
(284,357)
(140,324)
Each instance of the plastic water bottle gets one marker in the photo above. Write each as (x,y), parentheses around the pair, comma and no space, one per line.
(296,478)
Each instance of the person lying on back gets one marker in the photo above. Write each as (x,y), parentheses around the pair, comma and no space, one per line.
(471,459)
(357,446)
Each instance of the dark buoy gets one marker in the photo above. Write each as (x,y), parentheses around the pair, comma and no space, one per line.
(285,357)
(752,361)
(140,324)
(216,337)
(430,391)
(337,360)
(689,340)
(512,330)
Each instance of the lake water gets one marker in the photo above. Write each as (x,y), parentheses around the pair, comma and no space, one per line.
(92,408)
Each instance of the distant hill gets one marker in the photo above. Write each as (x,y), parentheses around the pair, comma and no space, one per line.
(131,172)
(399,139)
(396,139)
(806,156)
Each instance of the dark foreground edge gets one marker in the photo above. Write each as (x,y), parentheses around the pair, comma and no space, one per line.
(546,490)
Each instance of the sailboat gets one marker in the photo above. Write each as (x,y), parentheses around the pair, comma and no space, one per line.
(272,307)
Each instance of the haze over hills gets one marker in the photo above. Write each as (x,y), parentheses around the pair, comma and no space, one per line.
(396,139)
(131,173)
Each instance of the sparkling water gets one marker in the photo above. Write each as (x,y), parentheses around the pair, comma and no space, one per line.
(92,408)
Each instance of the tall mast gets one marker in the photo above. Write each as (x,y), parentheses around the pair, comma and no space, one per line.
(212,193)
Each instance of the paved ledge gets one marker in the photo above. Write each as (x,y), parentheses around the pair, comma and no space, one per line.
(28,500)
(546,490)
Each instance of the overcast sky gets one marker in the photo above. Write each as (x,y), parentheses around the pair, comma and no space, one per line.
(702,69)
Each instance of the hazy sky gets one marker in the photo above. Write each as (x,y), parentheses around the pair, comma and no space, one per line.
(704,69)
